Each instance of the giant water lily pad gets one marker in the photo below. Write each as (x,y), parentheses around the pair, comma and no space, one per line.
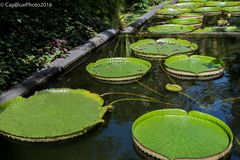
(173,11)
(191,15)
(176,134)
(170,29)
(51,115)
(201,1)
(233,11)
(188,5)
(222,4)
(210,11)
(218,29)
(162,48)
(119,69)
(194,67)
(187,21)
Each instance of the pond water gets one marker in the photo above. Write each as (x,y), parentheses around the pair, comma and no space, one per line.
(113,140)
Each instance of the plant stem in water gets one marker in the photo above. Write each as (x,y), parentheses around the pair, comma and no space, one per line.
(139,99)
(126,93)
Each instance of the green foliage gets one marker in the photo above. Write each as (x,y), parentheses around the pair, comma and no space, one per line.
(119,69)
(51,115)
(194,64)
(175,128)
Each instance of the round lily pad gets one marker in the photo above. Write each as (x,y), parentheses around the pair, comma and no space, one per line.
(162,48)
(209,11)
(173,11)
(51,115)
(173,87)
(188,5)
(194,67)
(218,29)
(233,11)
(170,29)
(197,23)
(119,69)
(202,1)
(191,15)
(221,4)
(176,134)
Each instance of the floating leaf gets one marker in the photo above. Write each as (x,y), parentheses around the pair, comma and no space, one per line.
(176,134)
(208,10)
(191,15)
(173,87)
(222,4)
(173,11)
(194,67)
(170,29)
(187,21)
(51,115)
(188,5)
(118,70)
(231,11)
(161,48)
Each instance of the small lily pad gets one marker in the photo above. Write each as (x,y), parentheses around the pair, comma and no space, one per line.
(173,87)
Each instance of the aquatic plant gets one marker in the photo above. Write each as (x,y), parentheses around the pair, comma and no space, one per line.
(170,29)
(188,5)
(172,11)
(209,11)
(160,49)
(194,67)
(163,133)
(187,21)
(51,115)
(217,29)
(191,15)
(118,69)
(222,4)
(231,11)
(173,87)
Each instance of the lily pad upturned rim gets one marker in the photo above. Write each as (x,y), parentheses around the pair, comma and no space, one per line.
(176,113)
(191,15)
(208,10)
(197,23)
(159,28)
(222,4)
(172,11)
(143,54)
(120,79)
(188,5)
(81,92)
(185,21)
(234,11)
(186,74)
